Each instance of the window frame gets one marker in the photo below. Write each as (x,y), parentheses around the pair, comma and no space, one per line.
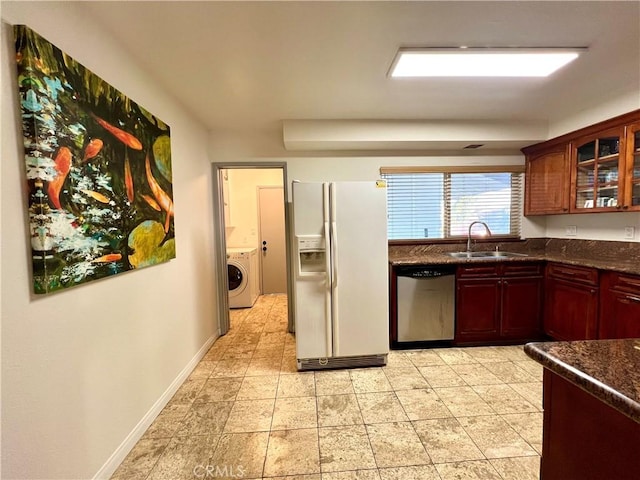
(517,196)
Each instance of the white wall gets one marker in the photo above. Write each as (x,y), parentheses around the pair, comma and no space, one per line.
(243,228)
(81,368)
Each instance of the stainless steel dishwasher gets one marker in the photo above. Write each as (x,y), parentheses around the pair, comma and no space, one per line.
(425,303)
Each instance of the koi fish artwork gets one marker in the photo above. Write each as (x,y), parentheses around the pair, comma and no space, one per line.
(98,172)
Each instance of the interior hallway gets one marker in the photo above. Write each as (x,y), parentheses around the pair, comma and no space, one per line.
(440,414)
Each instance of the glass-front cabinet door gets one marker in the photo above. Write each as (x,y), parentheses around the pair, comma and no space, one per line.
(597,169)
(632,171)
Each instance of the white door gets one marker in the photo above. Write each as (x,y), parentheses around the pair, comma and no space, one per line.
(272,248)
(361,305)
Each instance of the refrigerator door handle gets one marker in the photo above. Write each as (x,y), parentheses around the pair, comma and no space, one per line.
(328,262)
(334,272)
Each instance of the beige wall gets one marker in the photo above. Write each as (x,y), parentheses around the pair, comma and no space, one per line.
(84,370)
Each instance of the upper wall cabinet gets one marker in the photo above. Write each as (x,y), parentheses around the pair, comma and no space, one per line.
(595,169)
(547,181)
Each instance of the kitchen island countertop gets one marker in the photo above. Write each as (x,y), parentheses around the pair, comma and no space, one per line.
(607,369)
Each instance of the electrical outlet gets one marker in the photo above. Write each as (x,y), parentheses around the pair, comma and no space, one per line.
(629,233)
(571,231)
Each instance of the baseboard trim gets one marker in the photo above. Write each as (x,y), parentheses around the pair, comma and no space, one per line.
(129,442)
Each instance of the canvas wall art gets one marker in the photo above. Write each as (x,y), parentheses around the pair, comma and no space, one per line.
(98,169)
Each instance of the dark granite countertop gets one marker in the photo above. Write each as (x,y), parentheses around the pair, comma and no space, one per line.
(631,266)
(607,369)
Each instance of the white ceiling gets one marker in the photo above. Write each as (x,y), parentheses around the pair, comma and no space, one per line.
(249,65)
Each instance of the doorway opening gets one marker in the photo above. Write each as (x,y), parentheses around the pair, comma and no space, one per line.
(251,221)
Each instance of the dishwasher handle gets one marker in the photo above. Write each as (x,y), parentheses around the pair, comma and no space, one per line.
(422,271)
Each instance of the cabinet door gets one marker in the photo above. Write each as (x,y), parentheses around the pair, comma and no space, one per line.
(597,165)
(521,307)
(632,169)
(477,310)
(547,182)
(571,310)
(620,316)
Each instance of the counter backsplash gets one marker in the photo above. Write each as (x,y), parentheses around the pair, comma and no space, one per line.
(600,249)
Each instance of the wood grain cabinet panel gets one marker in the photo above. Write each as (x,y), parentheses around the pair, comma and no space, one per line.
(619,306)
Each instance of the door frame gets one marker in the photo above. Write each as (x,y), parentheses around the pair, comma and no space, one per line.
(220,243)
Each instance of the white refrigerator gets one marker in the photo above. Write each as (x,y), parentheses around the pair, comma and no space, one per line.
(341,289)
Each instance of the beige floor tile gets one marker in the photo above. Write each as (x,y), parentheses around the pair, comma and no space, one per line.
(333,382)
(423,358)
(292,452)
(242,453)
(397,359)
(422,404)
(455,356)
(289,365)
(205,419)
(268,350)
(441,376)
(380,407)
(528,426)
(503,399)
(405,378)
(345,448)
(188,391)
(396,445)
(369,380)
(519,468)
(486,354)
(239,350)
(203,369)
(446,441)
(297,385)
(230,368)
(515,353)
(183,456)
(335,410)
(417,472)
(495,437)
(533,368)
(463,401)
(475,374)
(313,476)
(471,470)
(141,459)
(258,388)
(352,475)
(294,412)
(264,366)
(219,390)
(250,416)
(509,372)
(167,422)
(532,392)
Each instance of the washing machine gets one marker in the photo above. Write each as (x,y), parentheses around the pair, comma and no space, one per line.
(242,267)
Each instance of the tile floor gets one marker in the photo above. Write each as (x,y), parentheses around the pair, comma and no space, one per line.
(439,414)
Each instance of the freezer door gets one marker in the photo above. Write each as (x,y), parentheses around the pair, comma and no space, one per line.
(360,284)
(312,294)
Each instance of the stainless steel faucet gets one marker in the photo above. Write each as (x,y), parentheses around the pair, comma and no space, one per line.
(469,234)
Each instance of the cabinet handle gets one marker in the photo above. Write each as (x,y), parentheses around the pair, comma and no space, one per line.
(592,291)
(505,282)
(632,298)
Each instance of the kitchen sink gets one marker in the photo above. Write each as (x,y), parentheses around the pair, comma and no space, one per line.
(485,255)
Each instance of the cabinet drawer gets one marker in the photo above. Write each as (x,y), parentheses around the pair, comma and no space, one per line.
(472,271)
(522,269)
(623,282)
(588,276)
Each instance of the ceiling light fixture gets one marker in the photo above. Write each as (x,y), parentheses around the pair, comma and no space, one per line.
(481,62)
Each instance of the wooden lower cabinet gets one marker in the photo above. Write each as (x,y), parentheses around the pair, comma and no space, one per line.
(619,306)
(571,302)
(498,303)
(584,438)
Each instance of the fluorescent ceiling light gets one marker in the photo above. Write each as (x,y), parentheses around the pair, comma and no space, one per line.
(481,62)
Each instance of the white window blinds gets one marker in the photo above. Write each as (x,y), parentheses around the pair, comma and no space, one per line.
(437,205)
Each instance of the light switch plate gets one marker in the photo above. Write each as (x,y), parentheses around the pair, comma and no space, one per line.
(629,233)
(571,231)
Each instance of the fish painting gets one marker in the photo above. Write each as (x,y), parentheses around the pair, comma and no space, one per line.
(98,172)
